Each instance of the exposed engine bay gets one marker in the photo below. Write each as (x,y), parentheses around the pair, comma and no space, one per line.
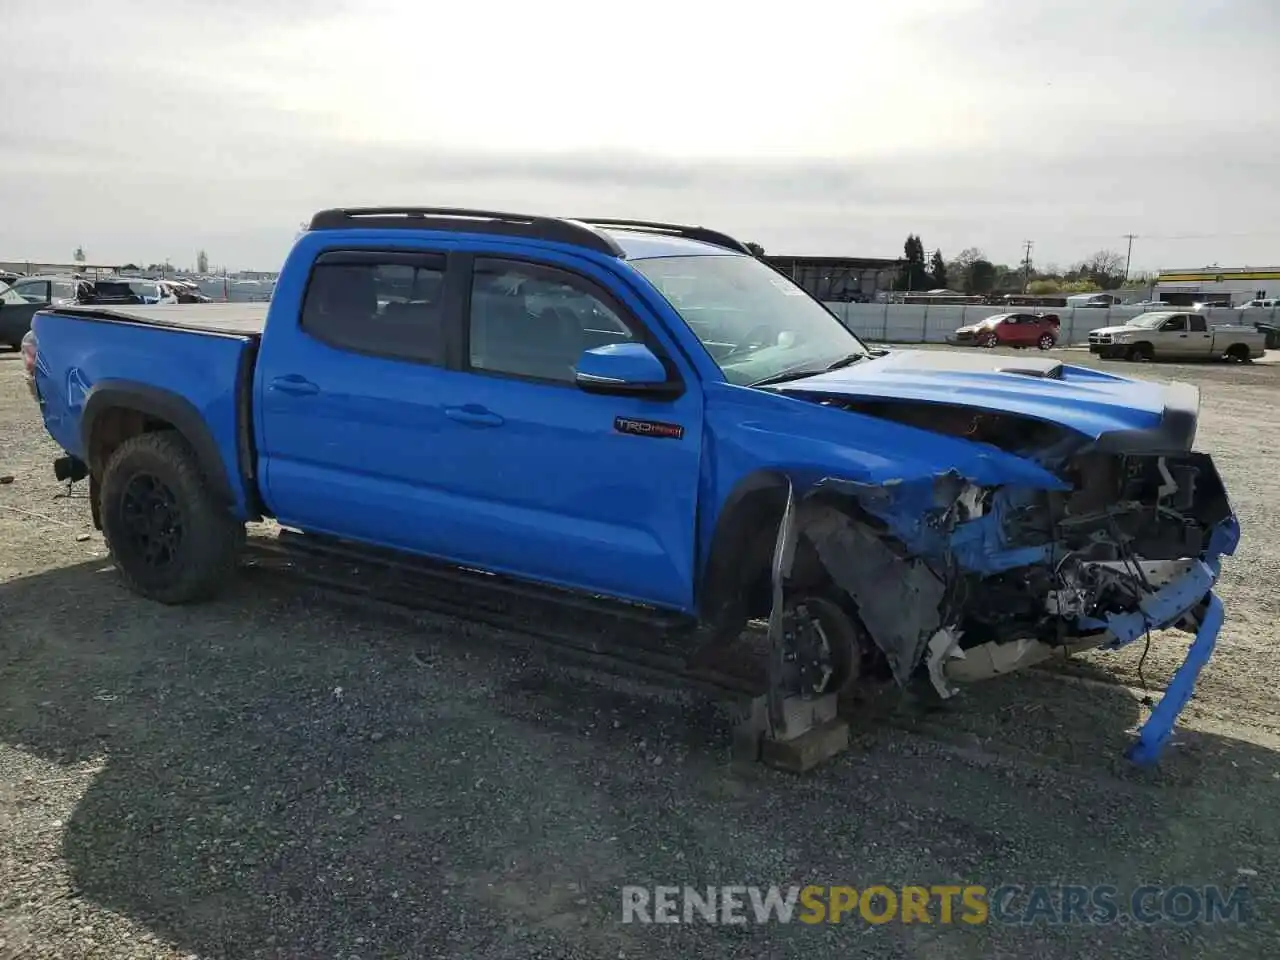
(960,581)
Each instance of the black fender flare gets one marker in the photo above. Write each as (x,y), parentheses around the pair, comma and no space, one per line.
(733,535)
(107,395)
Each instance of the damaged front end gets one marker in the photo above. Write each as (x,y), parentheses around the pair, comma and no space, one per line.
(955,582)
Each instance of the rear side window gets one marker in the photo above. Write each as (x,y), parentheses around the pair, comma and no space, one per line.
(386,304)
(1197,323)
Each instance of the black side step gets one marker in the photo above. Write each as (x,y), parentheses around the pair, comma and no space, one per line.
(319,545)
(631,640)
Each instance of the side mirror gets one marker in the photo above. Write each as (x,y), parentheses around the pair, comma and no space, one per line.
(624,369)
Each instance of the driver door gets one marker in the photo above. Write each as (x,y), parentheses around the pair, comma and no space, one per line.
(1172,338)
(551,483)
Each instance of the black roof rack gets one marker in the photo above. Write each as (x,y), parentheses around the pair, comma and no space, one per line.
(714,237)
(470,221)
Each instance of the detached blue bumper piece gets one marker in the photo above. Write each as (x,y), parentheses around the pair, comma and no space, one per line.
(1190,593)
(1155,733)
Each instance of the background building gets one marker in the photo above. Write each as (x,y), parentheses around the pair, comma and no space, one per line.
(32,268)
(1226,285)
(840,279)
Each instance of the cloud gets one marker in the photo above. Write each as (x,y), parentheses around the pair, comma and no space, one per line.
(184,125)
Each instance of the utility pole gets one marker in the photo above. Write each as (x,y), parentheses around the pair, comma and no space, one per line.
(1129,256)
(1026,263)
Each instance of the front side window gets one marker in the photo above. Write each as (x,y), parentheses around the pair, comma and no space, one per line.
(533,321)
(388,307)
(1176,323)
(756,323)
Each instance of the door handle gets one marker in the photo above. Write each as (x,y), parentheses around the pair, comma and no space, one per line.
(474,415)
(295,384)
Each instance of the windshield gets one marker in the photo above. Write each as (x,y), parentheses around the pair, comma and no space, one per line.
(753,321)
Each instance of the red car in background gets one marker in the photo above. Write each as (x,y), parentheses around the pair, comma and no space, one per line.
(1010,330)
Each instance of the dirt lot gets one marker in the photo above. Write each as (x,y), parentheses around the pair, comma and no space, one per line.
(274,775)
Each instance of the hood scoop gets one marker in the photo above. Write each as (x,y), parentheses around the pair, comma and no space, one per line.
(1045,371)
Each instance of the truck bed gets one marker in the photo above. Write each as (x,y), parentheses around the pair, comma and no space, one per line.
(238,319)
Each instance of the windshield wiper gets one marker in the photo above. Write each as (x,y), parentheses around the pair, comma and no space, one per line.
(807,370)
(848,361)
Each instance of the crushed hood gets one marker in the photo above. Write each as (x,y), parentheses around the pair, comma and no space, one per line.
(1133,414)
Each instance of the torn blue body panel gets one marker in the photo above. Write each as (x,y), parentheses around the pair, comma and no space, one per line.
(921,514)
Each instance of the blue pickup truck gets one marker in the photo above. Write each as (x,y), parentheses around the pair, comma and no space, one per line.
(648,415)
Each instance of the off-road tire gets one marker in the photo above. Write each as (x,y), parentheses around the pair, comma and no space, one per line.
(207,552)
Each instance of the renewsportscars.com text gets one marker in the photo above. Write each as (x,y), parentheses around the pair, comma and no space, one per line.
(936,904)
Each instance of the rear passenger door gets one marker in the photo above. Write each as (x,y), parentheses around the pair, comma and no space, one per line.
(1199,338)
(351,400)
(558,484)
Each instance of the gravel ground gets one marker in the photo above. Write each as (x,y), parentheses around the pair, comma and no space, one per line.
(278,775)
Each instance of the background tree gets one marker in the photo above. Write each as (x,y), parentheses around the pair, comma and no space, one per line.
(755,248)
(959,267)
(980,278)
(912,275)
(202,263)
(1078,286)
(79,255)
(1105,268)
(938,269)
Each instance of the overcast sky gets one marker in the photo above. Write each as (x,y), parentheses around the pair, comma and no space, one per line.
(147,130)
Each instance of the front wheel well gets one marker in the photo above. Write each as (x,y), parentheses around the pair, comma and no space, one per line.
(737,581)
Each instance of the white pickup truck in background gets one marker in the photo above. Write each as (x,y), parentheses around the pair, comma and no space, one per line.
(1175,335)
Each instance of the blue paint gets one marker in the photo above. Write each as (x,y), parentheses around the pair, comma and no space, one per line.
(622,363)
